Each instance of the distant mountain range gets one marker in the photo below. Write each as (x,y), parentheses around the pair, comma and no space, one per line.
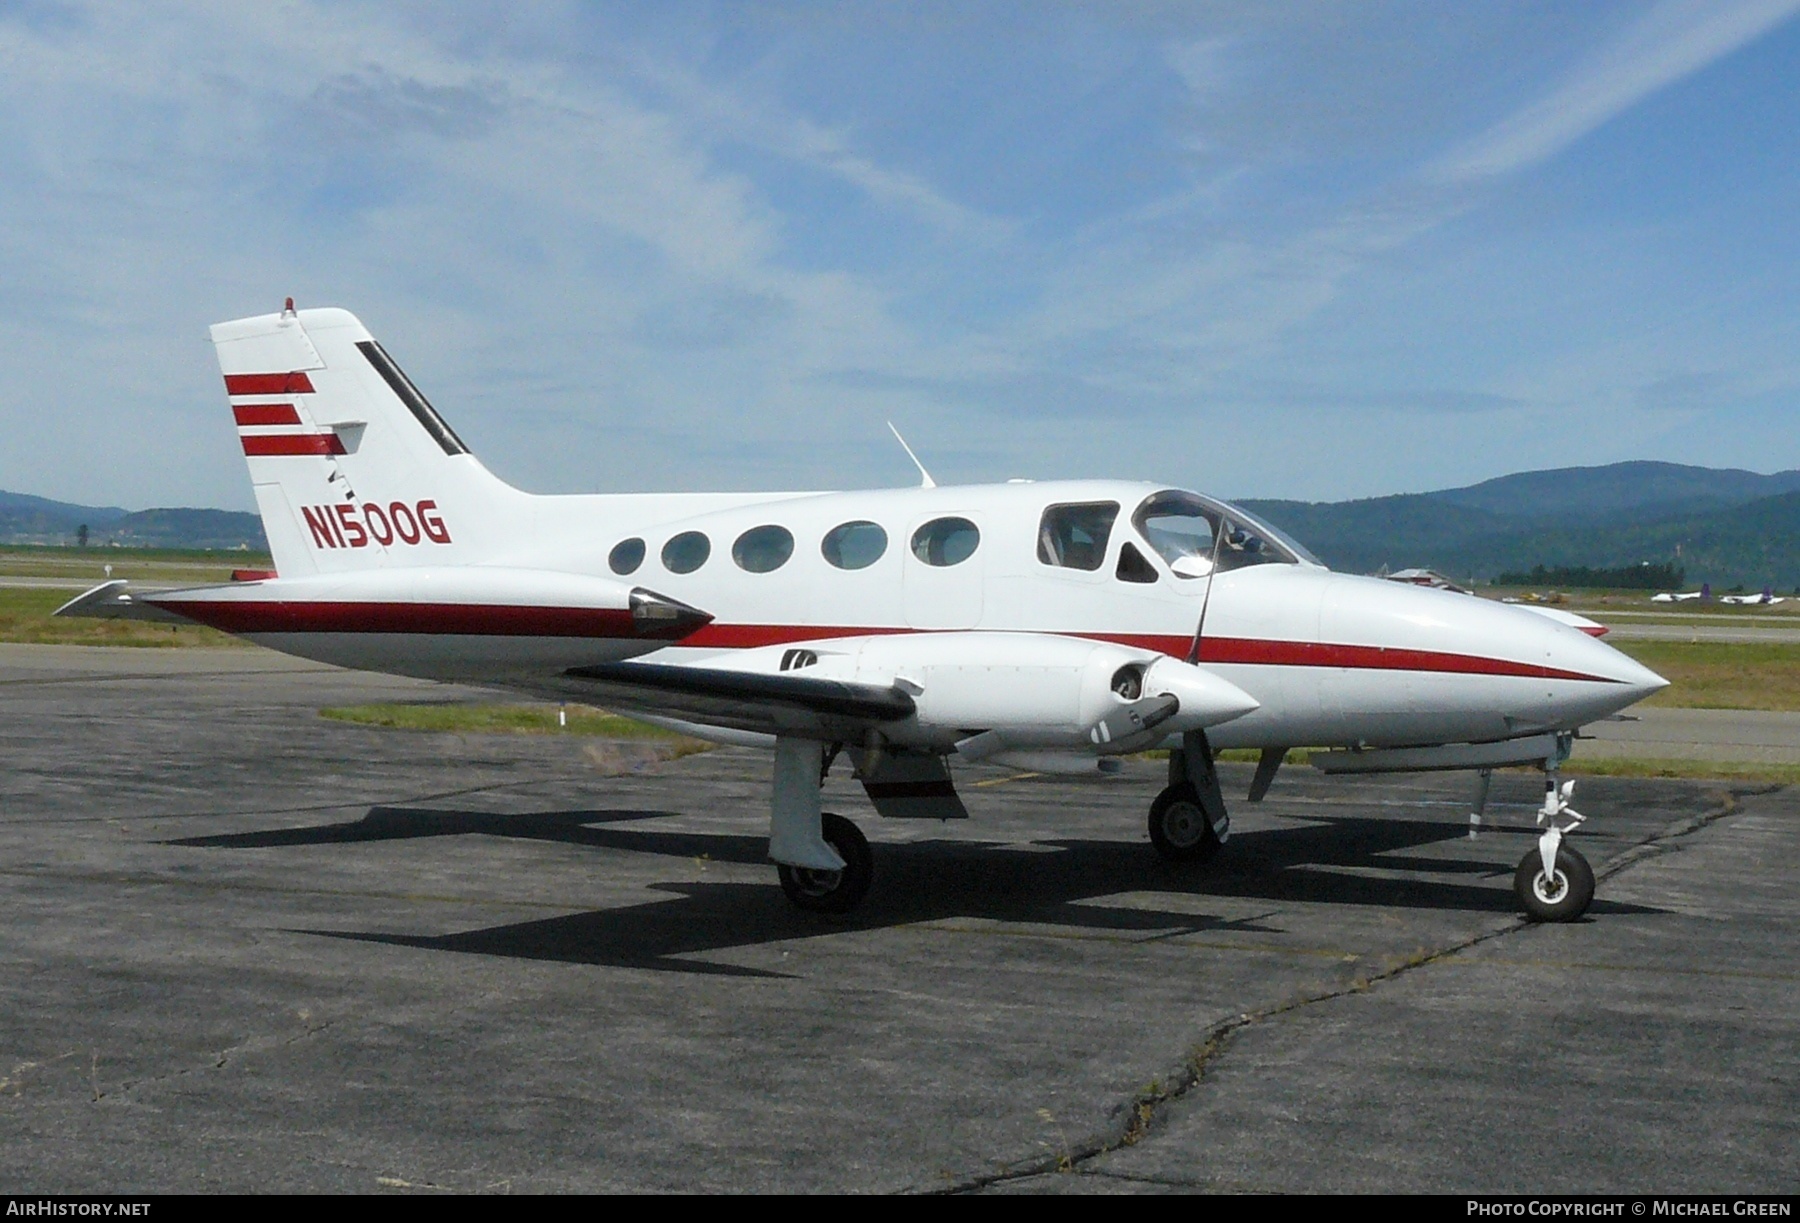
(38,520)
(1726,527)
(1723,526)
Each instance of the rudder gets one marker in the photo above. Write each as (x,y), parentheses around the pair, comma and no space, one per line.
(351,465)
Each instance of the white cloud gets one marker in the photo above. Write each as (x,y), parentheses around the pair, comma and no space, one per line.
(1674,40)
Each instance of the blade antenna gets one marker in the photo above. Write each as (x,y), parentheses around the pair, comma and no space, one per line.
(1206,598)
(925,480)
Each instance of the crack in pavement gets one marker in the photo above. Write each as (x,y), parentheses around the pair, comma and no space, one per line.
(256,1043)
(1140,1112)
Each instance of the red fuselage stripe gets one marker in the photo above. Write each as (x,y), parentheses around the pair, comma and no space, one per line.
(263,444)
(447,619)
(265,414)
(245,616)
(1243,650)
(296,383)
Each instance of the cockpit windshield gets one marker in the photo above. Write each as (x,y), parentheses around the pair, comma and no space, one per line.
(1192,532)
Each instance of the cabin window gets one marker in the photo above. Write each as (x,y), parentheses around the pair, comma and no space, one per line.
(854,545)
(763,549)
(1074,536)
(626,556)
(686,552)
(1133,567)
(946,541)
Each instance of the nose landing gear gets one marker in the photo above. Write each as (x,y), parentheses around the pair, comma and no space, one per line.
(1560,893)
(1554,882)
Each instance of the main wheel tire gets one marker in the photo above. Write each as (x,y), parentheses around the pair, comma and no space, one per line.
(819,891)
(1562,897)
(1179,828)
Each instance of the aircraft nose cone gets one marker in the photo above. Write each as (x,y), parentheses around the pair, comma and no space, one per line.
(1640,680)
(1619,681)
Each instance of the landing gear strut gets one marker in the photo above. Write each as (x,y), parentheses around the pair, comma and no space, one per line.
(1554,882)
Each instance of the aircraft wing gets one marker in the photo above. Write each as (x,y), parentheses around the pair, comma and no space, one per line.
(784,704)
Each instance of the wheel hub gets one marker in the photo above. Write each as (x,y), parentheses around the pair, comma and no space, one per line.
(1185,824)
(817,882)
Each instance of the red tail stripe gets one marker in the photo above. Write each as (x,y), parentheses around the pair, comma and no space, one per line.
(296,383)
(461,619)
(293,443)
(265,413)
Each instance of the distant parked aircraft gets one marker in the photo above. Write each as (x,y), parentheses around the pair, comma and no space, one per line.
(1767,598)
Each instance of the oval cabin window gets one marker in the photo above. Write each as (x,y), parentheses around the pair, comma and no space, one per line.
(763,549)
(854,545)
(626,556)
(946,541)
(686,552)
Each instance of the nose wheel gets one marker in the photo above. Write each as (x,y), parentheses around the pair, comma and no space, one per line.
(1561,893)
(822,891)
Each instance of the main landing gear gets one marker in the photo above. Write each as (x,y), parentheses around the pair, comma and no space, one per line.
(1188,822)
(823,859)
(818,890)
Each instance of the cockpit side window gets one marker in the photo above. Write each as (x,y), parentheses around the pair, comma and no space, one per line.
(1074,536)
(1133,567)
(1191,533)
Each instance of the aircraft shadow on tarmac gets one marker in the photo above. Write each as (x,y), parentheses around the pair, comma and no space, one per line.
(923,881)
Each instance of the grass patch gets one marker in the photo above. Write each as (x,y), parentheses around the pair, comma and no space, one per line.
(1722,674)
(25,617)
(1692,770)
(162,566)
(511,720)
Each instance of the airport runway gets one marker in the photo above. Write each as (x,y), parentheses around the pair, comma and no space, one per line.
(1736,634)
(249,949)
(1755,736)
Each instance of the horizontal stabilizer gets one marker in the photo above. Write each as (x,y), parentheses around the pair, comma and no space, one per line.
(112,601)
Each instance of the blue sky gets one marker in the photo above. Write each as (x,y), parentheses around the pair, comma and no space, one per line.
(1298,250)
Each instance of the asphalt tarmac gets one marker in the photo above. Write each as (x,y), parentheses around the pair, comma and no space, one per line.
(249,949)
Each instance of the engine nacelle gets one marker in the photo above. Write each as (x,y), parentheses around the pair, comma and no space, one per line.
(1019,691)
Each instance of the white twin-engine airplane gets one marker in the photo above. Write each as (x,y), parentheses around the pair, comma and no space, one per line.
(1042,626)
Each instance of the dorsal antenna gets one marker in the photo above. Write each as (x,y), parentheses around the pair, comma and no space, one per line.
(925,480)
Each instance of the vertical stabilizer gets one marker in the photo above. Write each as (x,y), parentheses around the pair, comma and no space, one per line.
(353,468)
